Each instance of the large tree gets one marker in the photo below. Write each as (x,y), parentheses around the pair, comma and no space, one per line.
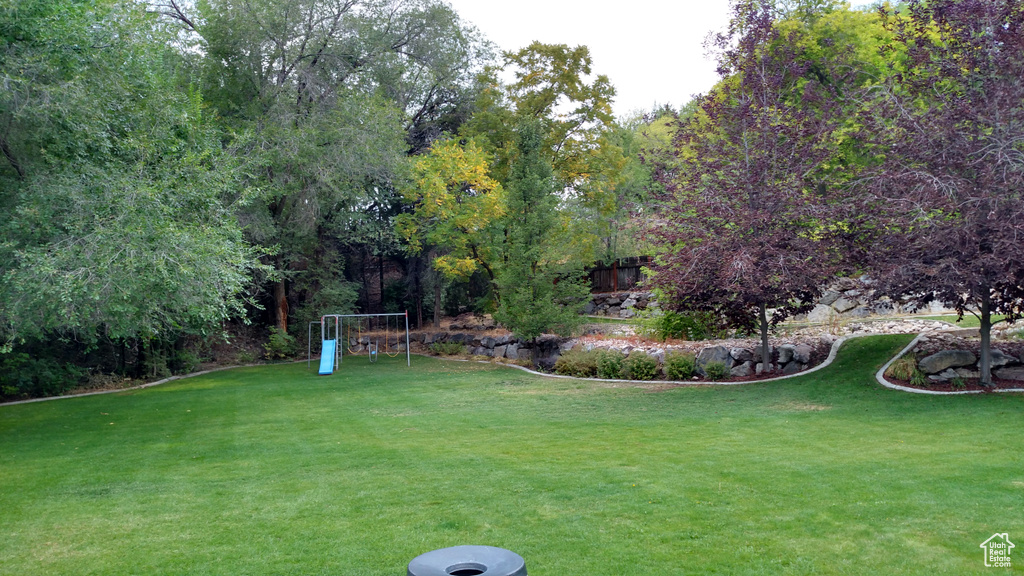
(949,184)
(113,183)
(326,98)
(741,229)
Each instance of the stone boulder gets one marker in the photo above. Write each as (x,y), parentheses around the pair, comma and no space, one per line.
(714,354)
(786,353)
(946,359)
(743,370)
(1000,359)
(1016,373)
(844,305)
(741,354)
(802,353)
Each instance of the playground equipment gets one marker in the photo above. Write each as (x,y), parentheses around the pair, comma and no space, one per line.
(332,351)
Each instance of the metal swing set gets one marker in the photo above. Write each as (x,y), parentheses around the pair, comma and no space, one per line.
(332,349)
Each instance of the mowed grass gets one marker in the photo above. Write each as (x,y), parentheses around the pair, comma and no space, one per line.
(276,470)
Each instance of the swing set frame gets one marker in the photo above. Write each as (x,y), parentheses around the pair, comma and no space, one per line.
(338,326)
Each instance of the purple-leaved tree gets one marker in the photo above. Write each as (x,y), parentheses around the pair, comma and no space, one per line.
(742,229)
(948,126)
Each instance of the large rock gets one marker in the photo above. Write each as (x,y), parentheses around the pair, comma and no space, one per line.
(512,351)
(487,342)
(714,354)
(829,297)
(792,368)
(785,353)
(1016,373)
(844,305)
(802,353)
(757,353)
(946,359)
(741,354)
(1000,359)
(629,303)
(499,351)
(821,313)
(743,370)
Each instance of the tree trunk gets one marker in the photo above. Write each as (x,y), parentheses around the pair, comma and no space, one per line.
(766,359)
(437,303)
(380,277)
(986,338)
(281,307)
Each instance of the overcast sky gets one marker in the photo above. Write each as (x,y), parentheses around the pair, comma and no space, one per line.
(651,50)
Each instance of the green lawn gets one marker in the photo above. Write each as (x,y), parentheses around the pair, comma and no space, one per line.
(277,471)
(968,321)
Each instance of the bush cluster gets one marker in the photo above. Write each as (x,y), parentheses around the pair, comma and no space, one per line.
(577,362)
(22,376)
(665,324)
(609,364)
(640,366)
(716,371)
(679,365)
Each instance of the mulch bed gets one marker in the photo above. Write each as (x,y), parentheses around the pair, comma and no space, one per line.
(972,385)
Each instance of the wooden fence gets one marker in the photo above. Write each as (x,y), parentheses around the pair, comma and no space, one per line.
(623,274)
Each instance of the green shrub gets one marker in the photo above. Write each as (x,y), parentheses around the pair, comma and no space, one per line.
(640,366)
(665,324)
(679,365)
(958,383)
(902,369)
(24,376)
(609,364)
(184,361)
(280,345)
(448,348)
(716,371)
(577,362)
(919,378)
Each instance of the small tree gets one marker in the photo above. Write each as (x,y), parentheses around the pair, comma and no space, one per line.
(950,185)
(742,228)
(541,287)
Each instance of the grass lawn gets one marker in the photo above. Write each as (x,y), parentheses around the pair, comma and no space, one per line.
(277,471)
(968,321)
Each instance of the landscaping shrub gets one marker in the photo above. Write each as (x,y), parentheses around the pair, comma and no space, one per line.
(715,371)
(448,348)
(577,362)
(665,324)
(609,364)
(22,376)
(679,365)
(958,383)
(902,369)
(920,379)
(280,345)
(640,366)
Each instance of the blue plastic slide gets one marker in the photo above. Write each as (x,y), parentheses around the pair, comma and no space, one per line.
(327,357)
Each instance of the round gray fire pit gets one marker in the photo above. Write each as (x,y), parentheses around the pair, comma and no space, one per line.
(468,561)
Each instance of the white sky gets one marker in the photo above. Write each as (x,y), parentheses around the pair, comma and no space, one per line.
(651,50)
